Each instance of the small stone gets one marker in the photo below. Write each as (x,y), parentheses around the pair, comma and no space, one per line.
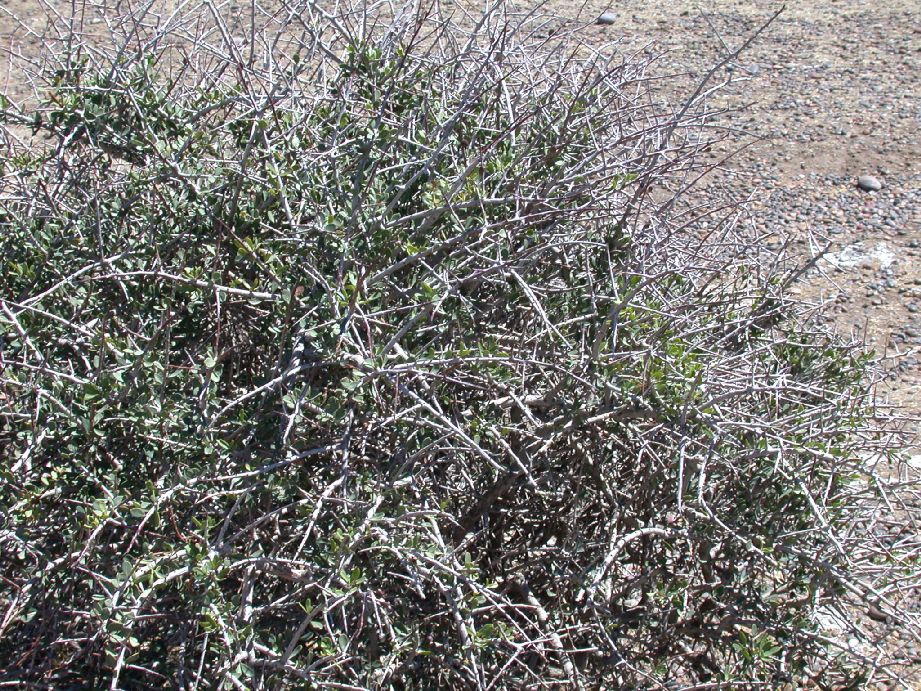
(853,644)
(868,183)
(606,18)
(875,613)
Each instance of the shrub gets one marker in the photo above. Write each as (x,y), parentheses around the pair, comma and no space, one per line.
(400,355)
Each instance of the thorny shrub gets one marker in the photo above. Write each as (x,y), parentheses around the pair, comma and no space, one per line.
(393,351)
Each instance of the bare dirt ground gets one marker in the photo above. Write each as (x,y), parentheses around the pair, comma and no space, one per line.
(830,91)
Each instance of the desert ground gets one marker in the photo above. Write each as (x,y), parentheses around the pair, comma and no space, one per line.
(831,92)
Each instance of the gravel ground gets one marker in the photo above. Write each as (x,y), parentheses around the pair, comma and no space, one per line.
(832,92)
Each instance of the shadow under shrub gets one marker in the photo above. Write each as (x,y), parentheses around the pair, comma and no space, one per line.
(402,359)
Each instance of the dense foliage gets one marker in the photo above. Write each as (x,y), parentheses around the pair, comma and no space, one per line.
(404,361)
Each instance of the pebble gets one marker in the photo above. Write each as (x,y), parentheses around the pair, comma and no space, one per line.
(868,183)
(606,18)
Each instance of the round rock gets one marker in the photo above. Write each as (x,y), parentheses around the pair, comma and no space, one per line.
(868,183)
(606,18)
